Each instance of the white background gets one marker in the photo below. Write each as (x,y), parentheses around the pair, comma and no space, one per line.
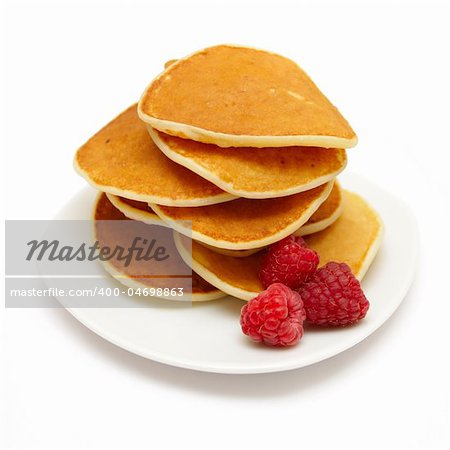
(67,69)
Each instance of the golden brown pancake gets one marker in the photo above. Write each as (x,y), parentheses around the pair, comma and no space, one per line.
(245,224)
(136,275)
(132,209)
(234,253)
(236,276)
(235,96)
(141,211)
(354,239)
(329,211)
(122,159)
(254,172)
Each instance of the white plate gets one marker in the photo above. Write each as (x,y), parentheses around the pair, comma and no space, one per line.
(207,336)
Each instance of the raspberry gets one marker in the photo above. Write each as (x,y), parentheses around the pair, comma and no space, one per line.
(289,261)
(274,317)
(333,296)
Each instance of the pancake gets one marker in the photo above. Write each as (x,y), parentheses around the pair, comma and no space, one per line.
(237,277)
(234,96)
(254,172)
(354,239)
(330,210)
(143,212)
(327,213)
(234,253)
(136,274)
(135,210)
(122,159)
(245,224)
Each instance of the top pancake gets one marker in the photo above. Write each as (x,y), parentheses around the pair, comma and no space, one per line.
(122,159)
(237,96)
(254,172)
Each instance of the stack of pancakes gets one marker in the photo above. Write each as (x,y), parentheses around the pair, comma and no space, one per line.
(235,148)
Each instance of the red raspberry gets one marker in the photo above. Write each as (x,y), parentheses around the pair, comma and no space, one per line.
(333,296)
(289,261)
(274,317)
